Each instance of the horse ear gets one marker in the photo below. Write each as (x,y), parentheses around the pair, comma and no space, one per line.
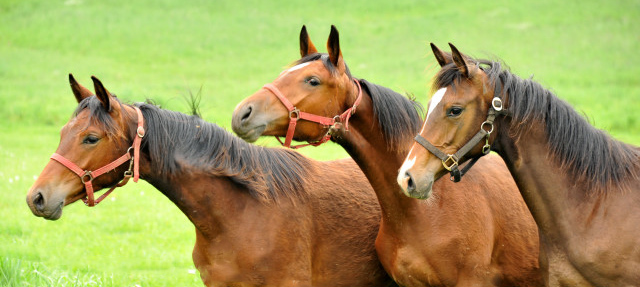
(333,47)
(441,56)
(78,90)
(102,94)
(306,47)
(458,58)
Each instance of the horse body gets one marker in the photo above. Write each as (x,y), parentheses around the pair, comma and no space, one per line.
(289,243)
(263,217)
(580,185)
(450,239)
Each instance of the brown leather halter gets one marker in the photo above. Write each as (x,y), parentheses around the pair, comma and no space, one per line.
(450,161)
(87,176)
(295,114)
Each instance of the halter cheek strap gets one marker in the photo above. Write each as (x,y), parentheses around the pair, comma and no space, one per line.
(295,114)
(87,176)
(450,161)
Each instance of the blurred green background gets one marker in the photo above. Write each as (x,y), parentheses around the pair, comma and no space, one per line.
(585,51)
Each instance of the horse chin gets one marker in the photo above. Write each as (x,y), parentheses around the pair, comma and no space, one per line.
(49,212)
(423,192)
(56,214)
(250,134)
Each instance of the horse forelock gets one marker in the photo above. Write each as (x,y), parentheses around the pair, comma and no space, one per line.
(324,57)
(588,155)
(177,142)
(100,117)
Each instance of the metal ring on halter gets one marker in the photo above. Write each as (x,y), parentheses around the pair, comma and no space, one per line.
(497,104)
(454,162)
(337,121)
(296,112)
(487,123)
(86,173)
(140,132)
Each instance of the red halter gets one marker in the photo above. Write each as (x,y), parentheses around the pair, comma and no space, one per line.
(87,176)
(295,115)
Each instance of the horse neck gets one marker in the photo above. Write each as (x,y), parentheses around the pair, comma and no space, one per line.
(550,194)
(367,146)
(196,192)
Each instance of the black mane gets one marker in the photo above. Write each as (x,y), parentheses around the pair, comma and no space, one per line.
(590,156)
(399,117)
(177,142)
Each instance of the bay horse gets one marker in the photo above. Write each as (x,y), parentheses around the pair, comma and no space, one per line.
(581,185)
(262,216)
(451,239)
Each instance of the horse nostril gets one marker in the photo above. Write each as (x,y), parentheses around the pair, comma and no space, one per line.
(38,202)
(246,114)
(411,185)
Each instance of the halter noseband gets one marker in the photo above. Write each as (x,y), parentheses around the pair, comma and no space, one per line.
(295,114)
(450,161)
(87,176)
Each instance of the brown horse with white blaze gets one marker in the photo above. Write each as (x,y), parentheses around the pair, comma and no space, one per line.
(450,239)
(581,185)
(262,216)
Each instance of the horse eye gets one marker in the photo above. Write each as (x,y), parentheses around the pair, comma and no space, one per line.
(313,81)
(90,139)
(454,111)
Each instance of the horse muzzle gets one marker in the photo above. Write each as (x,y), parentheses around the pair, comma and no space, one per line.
(416,187)
(44,206)
(247,123)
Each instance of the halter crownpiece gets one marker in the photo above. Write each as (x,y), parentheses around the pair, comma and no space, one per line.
(450,161)
(87,176)
(295,114)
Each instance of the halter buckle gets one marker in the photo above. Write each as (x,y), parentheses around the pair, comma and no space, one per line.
(454,162)
(497,104)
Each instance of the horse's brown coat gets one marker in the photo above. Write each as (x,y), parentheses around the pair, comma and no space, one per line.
(582,186)
(318,233)
(474,233)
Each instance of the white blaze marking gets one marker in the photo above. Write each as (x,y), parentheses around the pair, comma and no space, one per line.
(435,100)
(408,163)
(296,67)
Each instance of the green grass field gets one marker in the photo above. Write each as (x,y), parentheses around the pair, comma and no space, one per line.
(585,51)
